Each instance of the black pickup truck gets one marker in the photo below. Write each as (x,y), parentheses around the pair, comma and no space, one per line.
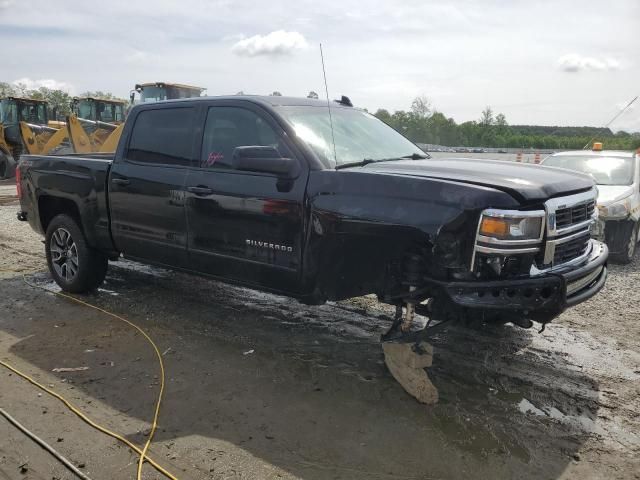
(289,196)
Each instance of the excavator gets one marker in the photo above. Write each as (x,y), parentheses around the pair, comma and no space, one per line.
(19,116)
(90,132)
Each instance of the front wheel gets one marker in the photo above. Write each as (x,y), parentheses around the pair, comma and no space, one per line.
(629,244)
(74,265)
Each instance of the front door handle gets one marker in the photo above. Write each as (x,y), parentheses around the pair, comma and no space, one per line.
(120,181)
(200,190)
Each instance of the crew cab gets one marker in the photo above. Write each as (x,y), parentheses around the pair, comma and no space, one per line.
(319,203)
(617,175)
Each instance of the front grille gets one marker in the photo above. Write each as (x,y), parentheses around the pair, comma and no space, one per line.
(567,251)
(565,217)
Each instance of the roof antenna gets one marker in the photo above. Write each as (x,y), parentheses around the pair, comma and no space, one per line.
(326,89)
(613,120)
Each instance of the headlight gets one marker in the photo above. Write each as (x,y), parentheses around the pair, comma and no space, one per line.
(512,224)
(620,209)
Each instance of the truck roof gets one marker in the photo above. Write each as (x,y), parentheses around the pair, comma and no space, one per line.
(273,101)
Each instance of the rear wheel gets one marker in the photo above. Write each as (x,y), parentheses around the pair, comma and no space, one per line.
(73,264)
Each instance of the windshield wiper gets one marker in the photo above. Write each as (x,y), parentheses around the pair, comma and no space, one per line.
(361,163)
(367,161)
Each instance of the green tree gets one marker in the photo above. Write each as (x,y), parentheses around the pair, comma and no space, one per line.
(383,115)
(486,119)
(59,101)
(21,89)
(102,95)
(426,125)
(421,106)
(7,90)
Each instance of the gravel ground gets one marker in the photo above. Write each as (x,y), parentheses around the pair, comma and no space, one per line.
(259,386)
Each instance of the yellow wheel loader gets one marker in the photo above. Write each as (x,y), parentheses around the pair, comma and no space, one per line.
(95,124)
(99,109)
(42,140)
(17,115)
(88,136)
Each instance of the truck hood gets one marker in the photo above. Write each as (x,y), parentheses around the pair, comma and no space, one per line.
(608,194)
(525,182)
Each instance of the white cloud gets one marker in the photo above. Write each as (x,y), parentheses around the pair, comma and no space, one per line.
(5,4)
(136,56)
(45,82)
(380,54)
(576,63)
(279,42)
(139,57)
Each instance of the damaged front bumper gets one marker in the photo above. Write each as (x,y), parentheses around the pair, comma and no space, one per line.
(540,297)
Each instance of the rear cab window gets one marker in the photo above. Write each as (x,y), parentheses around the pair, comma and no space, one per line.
(163,136)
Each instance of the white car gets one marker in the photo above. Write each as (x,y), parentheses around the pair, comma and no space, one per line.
(617,174)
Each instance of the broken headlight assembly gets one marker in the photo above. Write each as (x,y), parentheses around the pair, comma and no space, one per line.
(507,241)
(617,210)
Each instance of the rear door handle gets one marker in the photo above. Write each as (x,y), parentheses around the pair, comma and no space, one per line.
(120,181)
(200,190)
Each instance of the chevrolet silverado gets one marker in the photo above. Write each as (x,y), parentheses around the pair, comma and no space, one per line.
(318,202)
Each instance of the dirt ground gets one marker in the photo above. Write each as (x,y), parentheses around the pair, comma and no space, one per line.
(261,387)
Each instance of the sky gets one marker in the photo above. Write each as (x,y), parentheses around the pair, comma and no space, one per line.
(562,62)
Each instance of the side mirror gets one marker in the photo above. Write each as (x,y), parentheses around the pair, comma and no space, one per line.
(264,160)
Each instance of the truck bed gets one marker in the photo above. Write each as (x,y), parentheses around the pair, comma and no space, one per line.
(79,180)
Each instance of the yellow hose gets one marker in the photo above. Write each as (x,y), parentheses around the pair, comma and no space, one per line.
(143,452)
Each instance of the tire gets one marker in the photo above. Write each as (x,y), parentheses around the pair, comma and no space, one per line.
(74,265)
(629,245)
(7,166)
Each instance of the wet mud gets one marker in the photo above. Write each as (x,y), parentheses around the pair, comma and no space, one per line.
(259,386)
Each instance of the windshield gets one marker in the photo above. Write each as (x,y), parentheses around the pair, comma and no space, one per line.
(358,135)
(156,94)
(109,112)
(605,170)
(180,92)
(153,94)
(86,110)
(33,113)
(8,112)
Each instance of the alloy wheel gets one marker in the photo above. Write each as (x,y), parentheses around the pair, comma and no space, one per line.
(64,254)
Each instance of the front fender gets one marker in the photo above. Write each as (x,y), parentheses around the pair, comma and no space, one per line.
(361,223)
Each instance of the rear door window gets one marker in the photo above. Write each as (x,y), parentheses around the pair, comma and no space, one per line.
(163,136)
